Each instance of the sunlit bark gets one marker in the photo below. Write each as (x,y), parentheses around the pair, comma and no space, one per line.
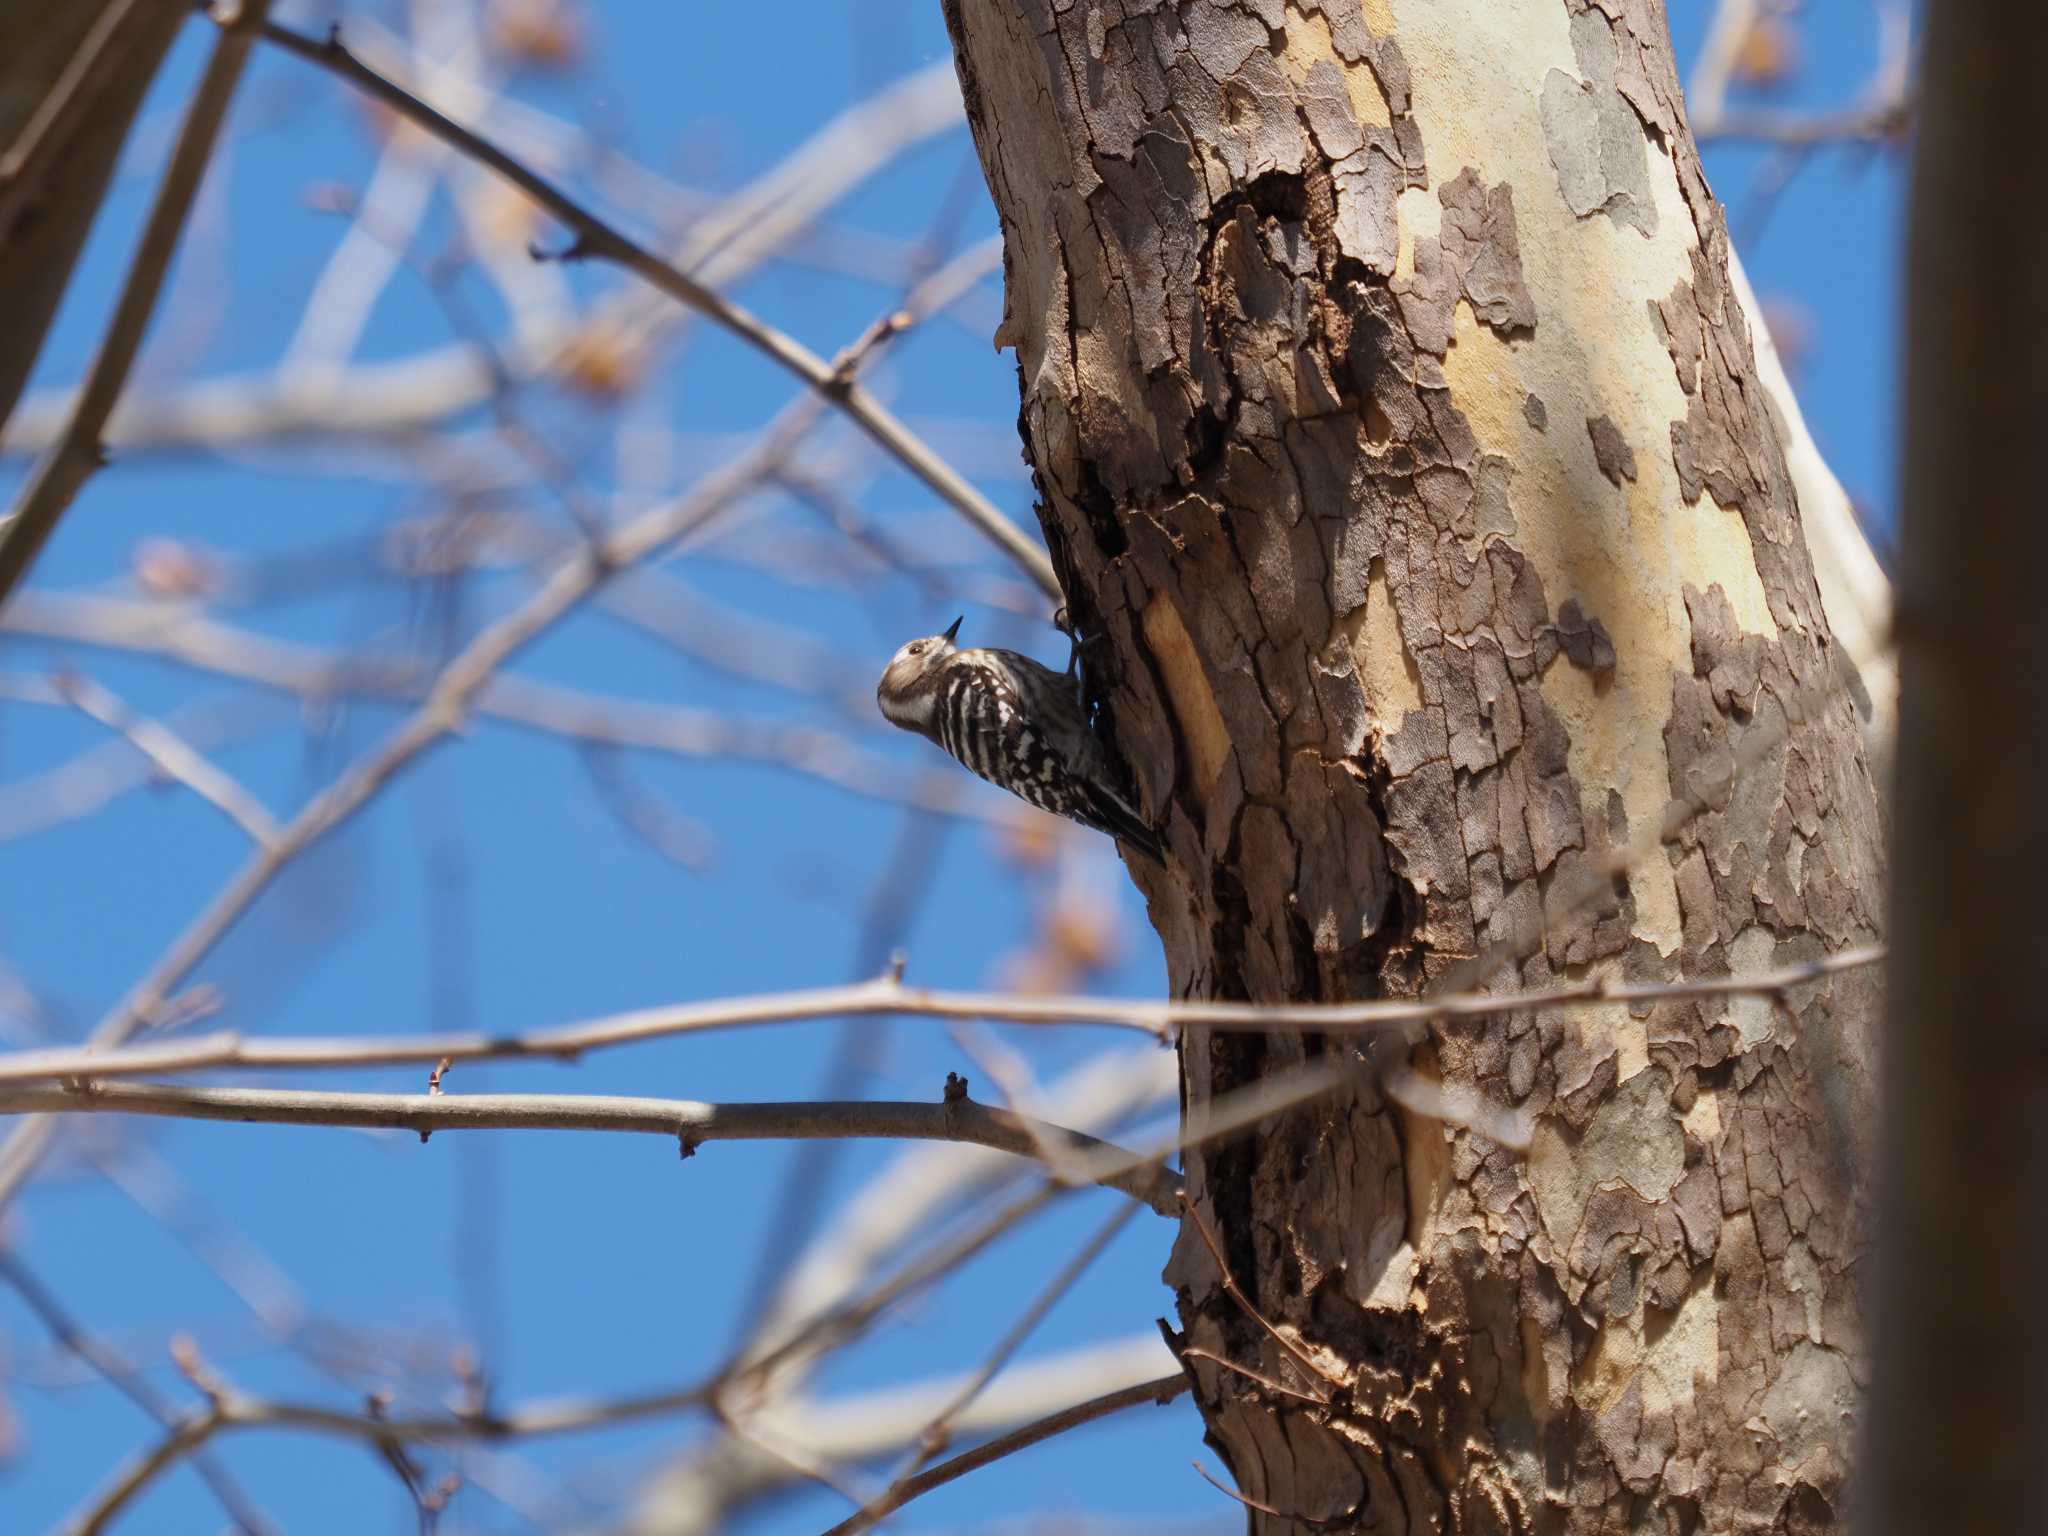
(1398,429)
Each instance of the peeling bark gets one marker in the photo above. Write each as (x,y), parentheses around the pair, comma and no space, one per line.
(1395,421)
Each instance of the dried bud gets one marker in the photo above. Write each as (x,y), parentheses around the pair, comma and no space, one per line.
(603,362)
(1082,933)
(501,215)
(1768,53)
(548,34)
(167,568)
(1029,838)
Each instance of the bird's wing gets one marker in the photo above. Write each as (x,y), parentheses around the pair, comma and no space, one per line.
(1106,809)
(1121,822)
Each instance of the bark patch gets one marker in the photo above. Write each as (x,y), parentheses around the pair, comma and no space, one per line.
(1595,141)
(1194,707)
(1611,451)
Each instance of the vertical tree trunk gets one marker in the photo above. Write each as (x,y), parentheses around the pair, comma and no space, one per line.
(1959,1417)
(1397,428)
(72,74)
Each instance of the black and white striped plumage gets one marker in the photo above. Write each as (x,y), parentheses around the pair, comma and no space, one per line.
(1017,724)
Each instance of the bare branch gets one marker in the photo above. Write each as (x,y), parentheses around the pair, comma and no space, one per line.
(185,1439)
(727,239)
(1164,1390)
(934,1438)
(688,1121)
(174,755)
(447,702)
(1884,118)
(738,643)
(865,1425)
(77,453)
(128,1381)
(1195,1352)
(886,994)
(1706,93)
(185,636)
(703,1494)
(814,752)
(909,1198)
(94,778)
(775,1370)
(1249,1503)
(596,238)
(800,1463)
(896,893)
(1231,1288)
(1883,113)
(646,816)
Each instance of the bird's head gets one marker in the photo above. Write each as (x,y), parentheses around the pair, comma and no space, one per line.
(906,693)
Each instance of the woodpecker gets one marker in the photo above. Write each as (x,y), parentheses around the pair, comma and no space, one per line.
(1017,724)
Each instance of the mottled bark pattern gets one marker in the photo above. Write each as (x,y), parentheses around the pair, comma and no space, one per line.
(1395,424)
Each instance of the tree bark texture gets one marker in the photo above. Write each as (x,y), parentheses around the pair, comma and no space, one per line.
(1398,433)
(1959,1412)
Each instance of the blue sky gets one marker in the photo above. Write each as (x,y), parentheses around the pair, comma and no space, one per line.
(492,888)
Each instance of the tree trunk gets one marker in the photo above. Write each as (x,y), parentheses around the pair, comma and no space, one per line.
(72,74)
(1959,1417)
(1398,432)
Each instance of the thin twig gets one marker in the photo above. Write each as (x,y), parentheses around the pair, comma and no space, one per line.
(1307,1361)
(156,1189)
(1884,112)
(77,453)
(1164,1390)
(1714,66)
(443,710)
(87,782)
(885,994)
(1001,1066)
(728,239)
(1195,1352)
(129,1382)
(911,1199)
(544,1418)
(185,1439)
(830,1328)
(1872,122)
(935,1435)
(897,893)
(1249,1503)
(644,815)
(174,755)
(689,1121)
(188,638)
(798,1462)
(598,239)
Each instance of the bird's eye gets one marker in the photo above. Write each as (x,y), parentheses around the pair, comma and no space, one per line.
(917,648)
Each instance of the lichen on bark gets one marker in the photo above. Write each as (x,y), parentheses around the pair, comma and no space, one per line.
(1303,298)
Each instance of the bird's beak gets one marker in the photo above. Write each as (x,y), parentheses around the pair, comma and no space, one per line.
(953,629)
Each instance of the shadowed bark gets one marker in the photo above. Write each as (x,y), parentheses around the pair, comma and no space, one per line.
(1960,1400)
(1398,430)
(71,77)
